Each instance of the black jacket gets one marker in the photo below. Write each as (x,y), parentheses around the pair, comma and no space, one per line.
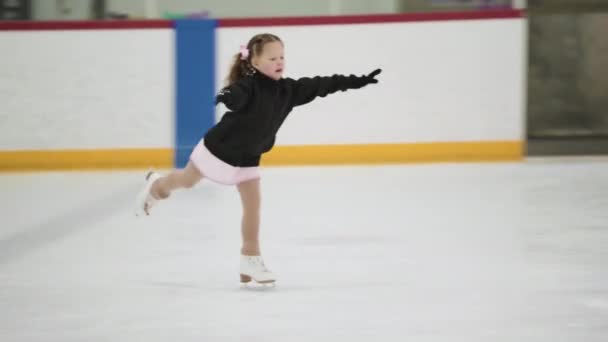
(258,105)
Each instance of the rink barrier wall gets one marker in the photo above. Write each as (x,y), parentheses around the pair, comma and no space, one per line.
(369,19)
(415,113)
(195,84)
(83,25)
(100,130)
(97,159)
(360,154)
(195,113)
(369,154)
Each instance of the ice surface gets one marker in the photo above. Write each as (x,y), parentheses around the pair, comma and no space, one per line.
(441,252)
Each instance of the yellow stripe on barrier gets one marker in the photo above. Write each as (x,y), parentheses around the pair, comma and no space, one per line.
(395,153)
(45,160)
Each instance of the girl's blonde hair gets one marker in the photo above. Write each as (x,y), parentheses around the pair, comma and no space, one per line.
(241,66)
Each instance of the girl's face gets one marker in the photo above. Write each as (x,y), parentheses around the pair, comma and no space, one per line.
(271,62)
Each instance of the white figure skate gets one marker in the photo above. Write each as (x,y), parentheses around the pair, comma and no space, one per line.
(253,268)
(144,200)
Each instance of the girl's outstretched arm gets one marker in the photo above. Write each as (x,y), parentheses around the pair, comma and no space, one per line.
(307,89)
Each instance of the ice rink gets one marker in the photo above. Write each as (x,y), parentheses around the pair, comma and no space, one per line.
(435,252)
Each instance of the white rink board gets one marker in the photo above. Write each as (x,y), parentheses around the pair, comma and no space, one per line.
(441,80)
(87,89)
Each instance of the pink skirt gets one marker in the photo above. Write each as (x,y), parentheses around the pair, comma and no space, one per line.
(219,171)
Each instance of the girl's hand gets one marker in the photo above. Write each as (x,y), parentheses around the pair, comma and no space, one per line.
(370,78)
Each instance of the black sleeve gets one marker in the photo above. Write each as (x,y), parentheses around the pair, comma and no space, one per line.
(307,89)
(235,96)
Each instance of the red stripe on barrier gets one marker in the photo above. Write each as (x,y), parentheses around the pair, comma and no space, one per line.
(369,19)
(84,25)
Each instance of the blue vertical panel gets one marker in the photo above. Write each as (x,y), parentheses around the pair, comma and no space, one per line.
(195,84)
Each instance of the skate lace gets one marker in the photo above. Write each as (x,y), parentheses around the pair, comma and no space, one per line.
(259,263)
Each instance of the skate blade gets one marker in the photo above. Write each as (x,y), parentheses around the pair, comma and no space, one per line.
(261,287)
(247,281)
(144,196)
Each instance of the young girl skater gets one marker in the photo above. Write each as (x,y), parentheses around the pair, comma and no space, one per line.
(258,99)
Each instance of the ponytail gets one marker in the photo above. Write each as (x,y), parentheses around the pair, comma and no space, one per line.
(239,69)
